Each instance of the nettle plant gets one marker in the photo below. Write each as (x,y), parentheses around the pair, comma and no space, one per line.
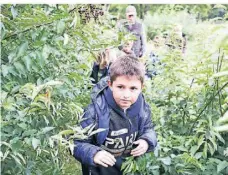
(46,61)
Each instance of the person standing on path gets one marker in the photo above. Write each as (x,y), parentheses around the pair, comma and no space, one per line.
(136,28)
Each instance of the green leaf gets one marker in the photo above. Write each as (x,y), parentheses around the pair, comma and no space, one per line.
(74,22)
(66,39)
(22,125)
(222,128)
(198,155)
(22,158)
(35,142)
(16,159)
(218,136)
(3,96)
(220,74)
(166,160)
(224,118)
(53,83)
(20,67)
(5,70)
(13,11)
(67,132)
(22,49)
(28,62)
(97,131)
(213,141)
(193,150)
(60,27)
(205,150)
(47,129)
(1,154)
(200,141)
(221,166)
(212,150)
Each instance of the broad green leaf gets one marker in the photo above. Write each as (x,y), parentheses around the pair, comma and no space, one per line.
(3,95)
(13,11)
(20,67)
(74,22)
(35,142)
(205,150)
(213,141)
(67,132)
(224,118)
(66,39)
(60,27)
(28,62)
(218,136)
(220,74)
(22,49)
(193,150)
(22,158)
(200,140)
(211,149)
(22,125)
(5,70)
(53,83)
(166,160)
(222,128)
(47,129)
(97,131)
(16,159)
(181,148)
(1,154)
(221,166)
(198,155)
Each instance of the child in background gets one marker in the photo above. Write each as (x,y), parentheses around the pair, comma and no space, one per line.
(119,107)
(126,49)
(101,66)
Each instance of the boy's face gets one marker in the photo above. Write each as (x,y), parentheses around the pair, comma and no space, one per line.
(127,47)
(125,90)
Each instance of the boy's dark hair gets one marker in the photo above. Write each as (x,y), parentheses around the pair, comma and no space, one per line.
(128,66)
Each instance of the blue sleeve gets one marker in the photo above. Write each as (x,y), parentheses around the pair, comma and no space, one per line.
(147,131)
(84,150)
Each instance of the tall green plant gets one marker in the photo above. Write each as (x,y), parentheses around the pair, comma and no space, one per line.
(46,61)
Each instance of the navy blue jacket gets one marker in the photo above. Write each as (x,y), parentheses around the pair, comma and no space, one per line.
(98,113)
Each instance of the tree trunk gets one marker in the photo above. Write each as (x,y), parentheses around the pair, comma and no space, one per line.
(141,11)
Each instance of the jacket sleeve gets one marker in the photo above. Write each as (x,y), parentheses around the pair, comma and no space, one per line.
(147,130)
(84,150)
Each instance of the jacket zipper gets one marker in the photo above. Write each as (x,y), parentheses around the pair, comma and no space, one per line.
(130,124)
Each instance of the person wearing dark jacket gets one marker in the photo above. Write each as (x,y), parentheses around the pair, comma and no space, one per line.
(136,28)
(118,107)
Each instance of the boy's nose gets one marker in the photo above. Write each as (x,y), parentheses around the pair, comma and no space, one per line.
(127,94)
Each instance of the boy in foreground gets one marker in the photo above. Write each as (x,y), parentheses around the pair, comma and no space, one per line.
(119,107)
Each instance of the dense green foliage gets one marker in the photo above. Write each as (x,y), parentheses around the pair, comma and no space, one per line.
(47,53)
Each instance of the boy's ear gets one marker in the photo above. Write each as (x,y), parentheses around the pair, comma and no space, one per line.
(110,84)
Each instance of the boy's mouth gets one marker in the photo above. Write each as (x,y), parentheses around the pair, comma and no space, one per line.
(125,101)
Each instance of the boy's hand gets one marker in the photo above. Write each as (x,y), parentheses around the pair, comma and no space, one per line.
(141,148)
(104,158)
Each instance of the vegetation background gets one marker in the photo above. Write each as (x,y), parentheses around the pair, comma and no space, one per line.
(47,52)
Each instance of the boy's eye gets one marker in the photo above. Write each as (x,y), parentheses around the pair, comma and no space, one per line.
(133,88)
(120,87)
